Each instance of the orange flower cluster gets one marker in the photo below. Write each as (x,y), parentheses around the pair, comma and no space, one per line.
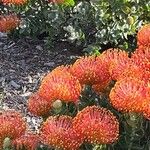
(12,126)
(92,124)
(39,106)
(143,36)
(29,141)
(131,91)
(14,2)
(97,125)
(58,132)
(129,94)
(90,70)
(8,22)
(60,84)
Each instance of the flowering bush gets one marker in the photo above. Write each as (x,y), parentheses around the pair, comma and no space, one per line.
(93,25)
(99,102)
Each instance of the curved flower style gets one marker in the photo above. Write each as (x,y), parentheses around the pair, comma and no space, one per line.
(39,106)
(29,142)
(8,22)
(143,36)
(60,84)
(90,70)
(58,132)
(97,125)
(129,95)
(12,126)
(117,61)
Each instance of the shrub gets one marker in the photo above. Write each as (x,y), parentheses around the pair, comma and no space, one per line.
(89,24)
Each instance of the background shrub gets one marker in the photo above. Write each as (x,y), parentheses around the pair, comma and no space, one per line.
(100,23)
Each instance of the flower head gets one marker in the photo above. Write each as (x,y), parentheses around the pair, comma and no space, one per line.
(143,36)
(38,105)
(90,70)
(12,126)
(97,125)
(60,84)
(28,141)
(117,61)
(129,95)
(58,132)
(8,22)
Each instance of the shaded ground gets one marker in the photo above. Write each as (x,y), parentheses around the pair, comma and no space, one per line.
(22,66)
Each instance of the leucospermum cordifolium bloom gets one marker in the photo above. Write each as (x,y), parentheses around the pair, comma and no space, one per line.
(12,126)
(90,70)
(38,105)
(58,132)
(60,84)
(130,94)
(97,125)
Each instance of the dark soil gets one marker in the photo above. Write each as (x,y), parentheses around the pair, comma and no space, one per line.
(22,66)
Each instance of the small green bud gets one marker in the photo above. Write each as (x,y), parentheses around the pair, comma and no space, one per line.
(57,104)
(130,20)
(6,143)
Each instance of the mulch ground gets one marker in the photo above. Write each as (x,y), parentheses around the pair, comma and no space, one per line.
(22,66)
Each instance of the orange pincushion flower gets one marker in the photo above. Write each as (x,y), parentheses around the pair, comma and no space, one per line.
(29,142)
(60,84)
(8,22)
(97,125)
(12,126)
(58,132)
(90,70)
(117,61)
(129,95)
(38,105)
(143,36)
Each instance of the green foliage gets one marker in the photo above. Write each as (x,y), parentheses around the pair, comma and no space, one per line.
(103,23)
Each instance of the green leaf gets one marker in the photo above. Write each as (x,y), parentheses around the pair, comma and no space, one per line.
(69,3)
